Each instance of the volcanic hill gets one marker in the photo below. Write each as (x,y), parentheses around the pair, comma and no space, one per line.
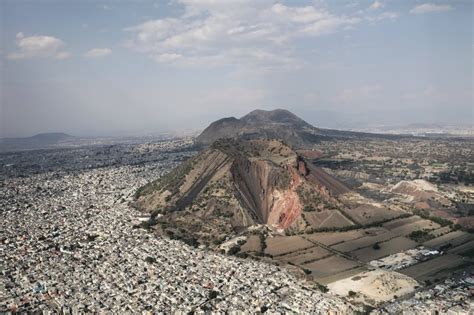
(234,184)
(274,124)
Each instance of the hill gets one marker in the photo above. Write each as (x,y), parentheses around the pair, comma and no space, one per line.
(274,124)
(235,184)
(38,141)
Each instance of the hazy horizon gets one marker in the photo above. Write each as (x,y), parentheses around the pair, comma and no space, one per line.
(107,68)
(195,131)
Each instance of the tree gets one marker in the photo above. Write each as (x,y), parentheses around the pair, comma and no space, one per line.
(213,294)
(150,260)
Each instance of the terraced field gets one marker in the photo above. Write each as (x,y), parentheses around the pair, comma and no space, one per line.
(334,256)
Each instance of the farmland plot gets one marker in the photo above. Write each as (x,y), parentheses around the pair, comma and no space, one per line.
(277,246)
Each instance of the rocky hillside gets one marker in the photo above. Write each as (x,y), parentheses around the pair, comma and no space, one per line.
(260,124)
(235,184)
(275,124)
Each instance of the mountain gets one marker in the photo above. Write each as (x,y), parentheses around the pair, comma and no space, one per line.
(49,138)
(277,116)
(38,141)
(274,124)
(235,184)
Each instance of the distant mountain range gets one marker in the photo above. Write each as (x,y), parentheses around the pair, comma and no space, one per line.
(274,124)
(41,140)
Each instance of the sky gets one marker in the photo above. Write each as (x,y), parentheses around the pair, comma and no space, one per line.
(110,68)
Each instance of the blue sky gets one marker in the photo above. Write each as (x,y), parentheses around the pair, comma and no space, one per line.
(135,67)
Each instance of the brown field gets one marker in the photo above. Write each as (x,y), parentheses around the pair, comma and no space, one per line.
(454,238)
(421,224)
(332,238)
(341,275)
(462,249)
(467,222)
(366,214)
(253,244)
(305,256)
(441,231)
(327,218)
(286,244)
(310,154)
(400,222)
(438,267)
(379,236)
(329,266)
(390,247)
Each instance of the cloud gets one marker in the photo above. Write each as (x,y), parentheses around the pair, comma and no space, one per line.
(38,47)
(167,57)
(62,55)
(305,14)
(376,5)
(388,15)
(98,53)
(430,7)
(241,33)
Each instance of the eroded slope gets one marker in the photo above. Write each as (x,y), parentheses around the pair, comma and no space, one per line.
(232,185)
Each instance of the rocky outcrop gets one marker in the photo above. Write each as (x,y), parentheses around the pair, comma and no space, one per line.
(235,184)
(231,186)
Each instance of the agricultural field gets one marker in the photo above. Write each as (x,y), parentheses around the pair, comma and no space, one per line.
(393,224)
(367,213)
(449,240)
(330,257)
(374,236)
(332,238)
(252,244)
(326,218)
(436,268)
(330,266)
(277,246)
(440,231)
(305,256)
(383,249)
(412,225)
(465,250)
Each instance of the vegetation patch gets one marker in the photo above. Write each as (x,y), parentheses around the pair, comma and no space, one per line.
(420,236)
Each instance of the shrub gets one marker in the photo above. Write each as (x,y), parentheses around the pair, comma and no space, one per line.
(213,294)
(420,236)
(322,288)
(234,250)
(150,260)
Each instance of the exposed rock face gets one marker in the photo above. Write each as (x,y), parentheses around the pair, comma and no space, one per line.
(267,191)
(229,187)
